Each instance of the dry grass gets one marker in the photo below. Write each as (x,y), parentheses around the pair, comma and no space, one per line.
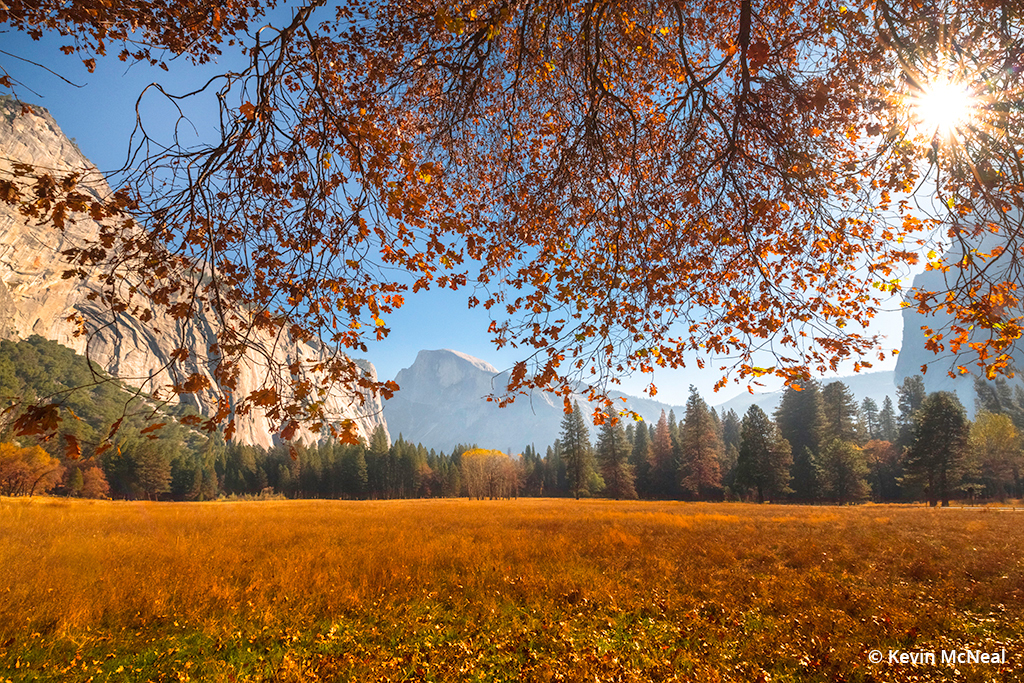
(503,590)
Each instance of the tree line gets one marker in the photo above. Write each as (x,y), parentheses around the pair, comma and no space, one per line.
(820,445)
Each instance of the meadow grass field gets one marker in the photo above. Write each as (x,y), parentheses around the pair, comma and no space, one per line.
(514,590)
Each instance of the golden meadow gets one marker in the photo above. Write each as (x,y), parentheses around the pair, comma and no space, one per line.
(531,590)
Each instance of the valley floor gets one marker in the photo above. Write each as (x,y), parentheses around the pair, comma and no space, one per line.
(520,590)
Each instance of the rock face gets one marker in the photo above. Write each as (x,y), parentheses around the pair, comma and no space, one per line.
(442,403)
(35,299)
(913,353)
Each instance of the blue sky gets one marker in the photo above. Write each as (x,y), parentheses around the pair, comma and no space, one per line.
(100,116)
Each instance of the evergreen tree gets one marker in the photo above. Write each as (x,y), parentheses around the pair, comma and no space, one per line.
(76,482)
(152,469)
(910,397)
(377,456)
(869,418)
(939,446)
(731,450)
(840,409)
(888,429)
(578,452)
(801,421)
(671,484)
(727,466)
(311,472)
(354,475)
(718,423)
(701,450)
(554,469)
(663,469)
(613,454)
(673,427)
(640,459)
(731,429)
(454,481)
(533,472)
(996,397)
(844,472)
(764,458)
(239,471)
(806,473)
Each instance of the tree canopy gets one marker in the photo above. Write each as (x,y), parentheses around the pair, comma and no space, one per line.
(618,184)
(936,457)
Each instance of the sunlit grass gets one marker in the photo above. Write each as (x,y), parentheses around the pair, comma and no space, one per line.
(499,590)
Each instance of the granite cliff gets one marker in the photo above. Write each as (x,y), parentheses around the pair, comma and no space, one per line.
(442,403)
(913,353)
(36,299)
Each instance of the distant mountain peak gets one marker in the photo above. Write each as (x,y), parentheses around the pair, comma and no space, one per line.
(475,362)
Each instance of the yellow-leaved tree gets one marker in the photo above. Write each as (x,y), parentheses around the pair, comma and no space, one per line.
(25,471)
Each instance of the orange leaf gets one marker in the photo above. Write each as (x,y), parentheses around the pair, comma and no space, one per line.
(288,433)
(73,449)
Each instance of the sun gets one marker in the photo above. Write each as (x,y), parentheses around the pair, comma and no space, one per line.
(943,107)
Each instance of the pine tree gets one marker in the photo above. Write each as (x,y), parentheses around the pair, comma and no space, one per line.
(76,482)
(554,468)
(731,450)
(801,421)
(910,397)
(938,449)
(844,472)
(354,476)
(377,462)
(765,457)
(701,450)
(663,470)
(995,397)
(887,426)
(840,409)
(577,452)
(613,453)
(869,418)
(731,429)
(671,484)
(153,469)
(640,459)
